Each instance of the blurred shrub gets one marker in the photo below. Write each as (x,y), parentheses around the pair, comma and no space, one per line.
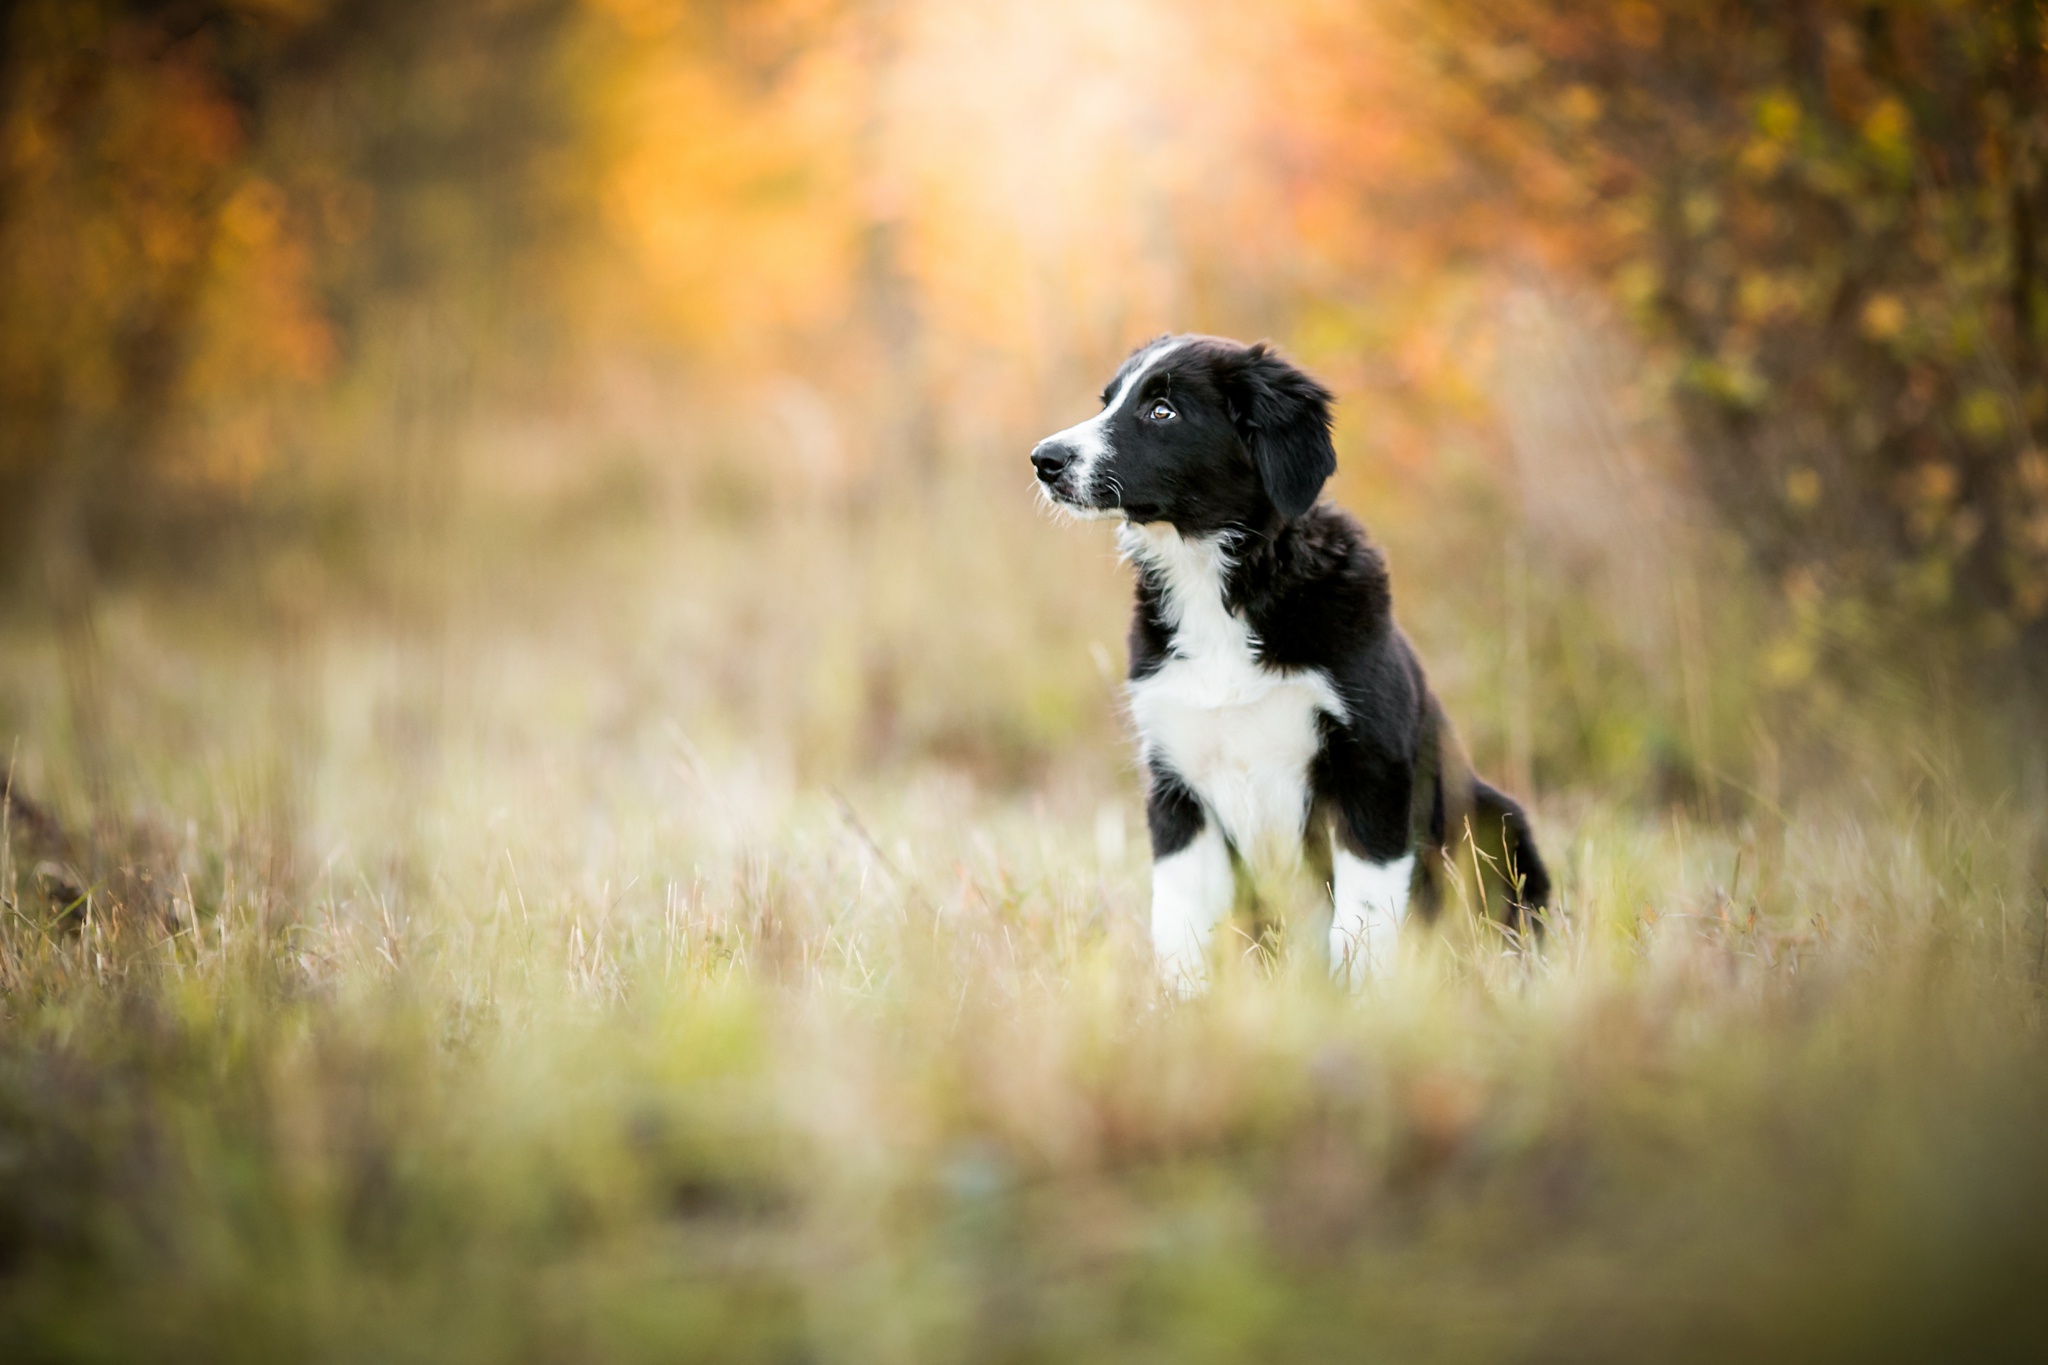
(1834,217)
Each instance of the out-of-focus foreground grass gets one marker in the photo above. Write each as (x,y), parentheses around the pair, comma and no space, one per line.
(646,950)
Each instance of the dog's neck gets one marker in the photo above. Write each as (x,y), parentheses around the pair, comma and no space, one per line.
(1266,586)
(1192,575)
(1224,562)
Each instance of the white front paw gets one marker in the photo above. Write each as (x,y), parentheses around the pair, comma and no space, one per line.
(1369,903)
(1191,893)
(1183,966)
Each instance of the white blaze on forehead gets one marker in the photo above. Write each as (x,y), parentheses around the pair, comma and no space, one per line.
(1090,439)
(1148,362)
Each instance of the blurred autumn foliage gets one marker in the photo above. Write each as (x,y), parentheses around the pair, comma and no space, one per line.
(261,257)
(1833,219)
(215,216)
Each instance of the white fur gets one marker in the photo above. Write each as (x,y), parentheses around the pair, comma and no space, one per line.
(1191,894)
(1370,902)
(1090,439)
(1239,734)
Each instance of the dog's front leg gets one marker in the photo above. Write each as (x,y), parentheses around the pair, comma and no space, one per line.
(1193,886)
(1373,866)
(1369,902)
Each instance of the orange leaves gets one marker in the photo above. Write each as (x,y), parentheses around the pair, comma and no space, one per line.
(143,271)
(261,337)
(999,197)
(108,180)
(736,198)
(261,296)
(206,210)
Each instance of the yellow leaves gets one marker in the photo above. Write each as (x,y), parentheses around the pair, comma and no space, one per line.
(1983,414)
(1639,23)
(250,218)
(1777,120)
(1761,157)
(1579,104)
(1928,583)
(1888,129)
(1756,296)
(1702,209)
(1766,296)
(1637,284)
(1803,488)
(1887,132)
(1777,116)
(1789,661)
(1884,317)
(1733,379)
(1930,494)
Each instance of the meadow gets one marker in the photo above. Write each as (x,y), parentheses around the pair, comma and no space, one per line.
(692,944)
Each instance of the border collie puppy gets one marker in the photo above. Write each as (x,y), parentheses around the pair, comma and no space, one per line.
(1276,702)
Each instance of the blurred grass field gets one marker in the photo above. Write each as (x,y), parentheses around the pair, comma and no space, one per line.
(707,943)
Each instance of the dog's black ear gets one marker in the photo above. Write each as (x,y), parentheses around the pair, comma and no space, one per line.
(1283,416)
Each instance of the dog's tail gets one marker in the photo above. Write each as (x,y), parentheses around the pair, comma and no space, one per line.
(1498,821)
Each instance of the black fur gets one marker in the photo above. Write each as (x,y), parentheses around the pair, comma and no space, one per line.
(1173,815)
(1219,438)
(1283,418)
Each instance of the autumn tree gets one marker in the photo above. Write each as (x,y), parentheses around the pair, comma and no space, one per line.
(1832,216)
(210,212)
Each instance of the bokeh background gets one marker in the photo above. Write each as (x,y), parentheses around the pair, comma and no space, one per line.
(563,800)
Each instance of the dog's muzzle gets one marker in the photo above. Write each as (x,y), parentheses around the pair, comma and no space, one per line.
(1051,459)
(1057,464)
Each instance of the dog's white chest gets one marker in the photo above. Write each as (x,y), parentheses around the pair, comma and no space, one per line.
(1240,735)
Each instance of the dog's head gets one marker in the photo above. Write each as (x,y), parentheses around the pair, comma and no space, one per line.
(1204,433)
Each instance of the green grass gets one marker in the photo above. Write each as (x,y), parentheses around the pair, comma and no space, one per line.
(627,959)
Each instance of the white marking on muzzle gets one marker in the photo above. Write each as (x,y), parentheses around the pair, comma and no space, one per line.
(1092,447)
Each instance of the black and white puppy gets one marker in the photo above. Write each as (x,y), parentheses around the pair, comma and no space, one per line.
(1276,702)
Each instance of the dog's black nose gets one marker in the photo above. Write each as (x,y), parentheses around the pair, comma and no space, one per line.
(1049,460)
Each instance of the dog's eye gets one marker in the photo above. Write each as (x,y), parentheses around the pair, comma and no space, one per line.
(1160,411)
